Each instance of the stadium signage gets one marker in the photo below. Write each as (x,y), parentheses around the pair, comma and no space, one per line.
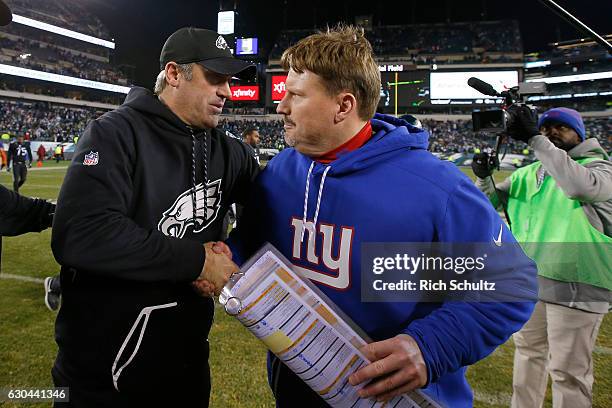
(391,68)
(278,87)
(245,93)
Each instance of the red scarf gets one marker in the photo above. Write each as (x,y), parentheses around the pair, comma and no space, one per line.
(353,143)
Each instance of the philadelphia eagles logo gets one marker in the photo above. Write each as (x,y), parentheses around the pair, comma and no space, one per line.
(178,218)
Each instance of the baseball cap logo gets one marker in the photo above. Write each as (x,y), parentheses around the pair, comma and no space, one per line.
(221,44)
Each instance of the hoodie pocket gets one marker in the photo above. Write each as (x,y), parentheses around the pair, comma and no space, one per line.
(141,322)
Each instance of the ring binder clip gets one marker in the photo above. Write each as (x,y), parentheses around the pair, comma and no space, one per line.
(233,306)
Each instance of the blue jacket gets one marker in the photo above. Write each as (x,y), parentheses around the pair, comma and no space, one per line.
(389,190)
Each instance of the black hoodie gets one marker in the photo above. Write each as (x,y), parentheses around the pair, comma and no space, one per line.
(129,243)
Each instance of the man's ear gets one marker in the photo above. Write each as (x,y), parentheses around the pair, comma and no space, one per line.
(347,104)
(172,74)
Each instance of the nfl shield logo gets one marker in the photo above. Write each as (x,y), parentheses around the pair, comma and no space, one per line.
(91,159)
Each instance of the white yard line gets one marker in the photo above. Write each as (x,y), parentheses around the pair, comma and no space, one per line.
(47,168)
(22,278)
(602,350)
(26,185)
(498,399)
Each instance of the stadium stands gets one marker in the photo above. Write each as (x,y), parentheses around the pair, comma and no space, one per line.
(51,122)
(43,121)
(71,14)
(422,42)
(36,47)
(46,57)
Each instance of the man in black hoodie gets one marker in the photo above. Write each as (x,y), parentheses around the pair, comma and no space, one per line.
(148,186)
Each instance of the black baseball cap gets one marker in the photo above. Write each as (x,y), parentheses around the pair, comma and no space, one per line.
(5,14)
(206,48)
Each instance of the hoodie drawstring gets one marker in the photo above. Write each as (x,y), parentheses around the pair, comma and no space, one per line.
(193,177)
(316,216)
(306,200)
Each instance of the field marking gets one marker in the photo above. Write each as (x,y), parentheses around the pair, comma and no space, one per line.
(48,168)
(602,350)
(26,185)
(22,278)
(498,399)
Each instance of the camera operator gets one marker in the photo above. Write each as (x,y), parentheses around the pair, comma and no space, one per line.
(564,197)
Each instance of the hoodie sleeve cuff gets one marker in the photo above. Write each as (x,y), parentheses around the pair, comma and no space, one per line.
(538,141)
(416,334)
(190,257)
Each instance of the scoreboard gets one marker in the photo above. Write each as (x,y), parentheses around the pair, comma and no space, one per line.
(404,89)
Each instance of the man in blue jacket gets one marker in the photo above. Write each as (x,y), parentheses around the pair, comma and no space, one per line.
(351,179)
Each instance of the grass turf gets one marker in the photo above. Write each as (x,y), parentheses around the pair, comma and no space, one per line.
(27,347)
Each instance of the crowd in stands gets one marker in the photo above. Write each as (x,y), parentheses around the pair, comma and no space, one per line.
(270,132)
(43,121)
(52,122)
(431,39)
(580,52)
(48,89)
(448,137)
(243,110)
(70,14)
(46,37)
(49,58)
(585,67)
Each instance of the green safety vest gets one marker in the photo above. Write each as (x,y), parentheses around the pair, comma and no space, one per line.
(554,230)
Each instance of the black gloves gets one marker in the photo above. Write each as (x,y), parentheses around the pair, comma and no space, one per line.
(483,164)
(523,124)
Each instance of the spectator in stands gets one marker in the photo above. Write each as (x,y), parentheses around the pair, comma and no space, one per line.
(565,198)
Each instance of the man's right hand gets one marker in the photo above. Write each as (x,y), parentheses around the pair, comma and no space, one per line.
(218,267)
(483,165)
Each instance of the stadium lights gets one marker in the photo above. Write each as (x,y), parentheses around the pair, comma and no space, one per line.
(573,78)
(62,31)
(61,79)
(537,64)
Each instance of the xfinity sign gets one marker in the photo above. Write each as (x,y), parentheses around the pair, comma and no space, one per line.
(245,93)
(278,87)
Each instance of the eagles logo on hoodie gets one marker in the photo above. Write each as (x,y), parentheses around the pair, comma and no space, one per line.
(180,216)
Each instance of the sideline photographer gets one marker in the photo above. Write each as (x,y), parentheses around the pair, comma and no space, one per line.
(564,197)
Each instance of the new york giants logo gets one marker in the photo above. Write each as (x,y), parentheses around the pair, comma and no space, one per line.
(341,264)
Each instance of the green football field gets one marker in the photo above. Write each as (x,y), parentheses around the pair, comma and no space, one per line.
(27,347)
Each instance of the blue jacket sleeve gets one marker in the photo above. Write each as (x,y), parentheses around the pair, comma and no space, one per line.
(461,333)
(246,238)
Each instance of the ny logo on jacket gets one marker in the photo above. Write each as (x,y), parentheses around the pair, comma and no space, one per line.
(341,264)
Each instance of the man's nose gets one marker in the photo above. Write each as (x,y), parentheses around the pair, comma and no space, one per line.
(282,107)
(224,91)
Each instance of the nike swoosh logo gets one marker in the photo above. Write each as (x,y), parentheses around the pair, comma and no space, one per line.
(498,241)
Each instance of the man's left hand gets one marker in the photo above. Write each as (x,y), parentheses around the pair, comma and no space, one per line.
(397,367)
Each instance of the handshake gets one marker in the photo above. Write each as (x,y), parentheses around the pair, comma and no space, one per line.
(218,267)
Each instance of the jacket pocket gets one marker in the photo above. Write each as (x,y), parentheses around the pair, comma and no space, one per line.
(141,321)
